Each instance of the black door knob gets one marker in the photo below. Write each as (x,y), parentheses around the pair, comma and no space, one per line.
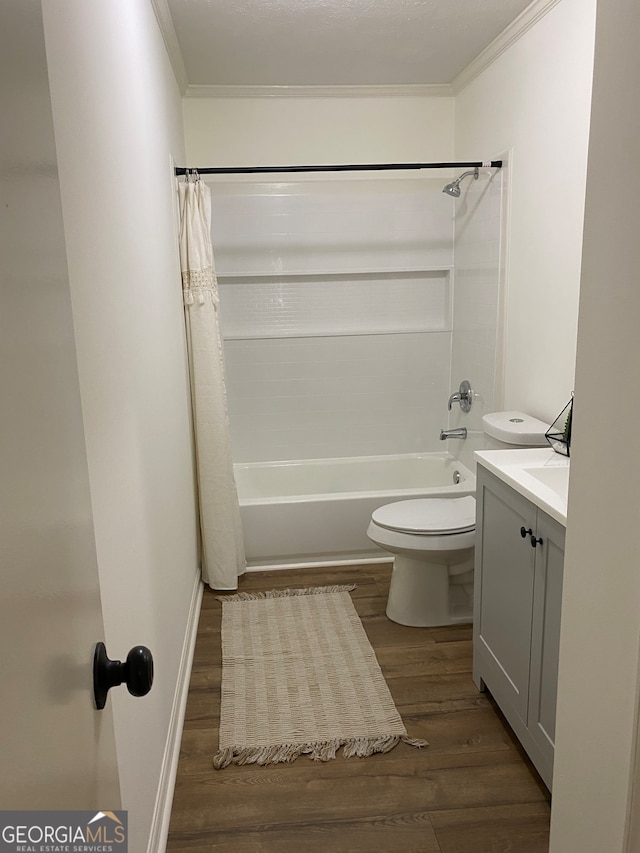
(136,672)
(524,533)
(535,542)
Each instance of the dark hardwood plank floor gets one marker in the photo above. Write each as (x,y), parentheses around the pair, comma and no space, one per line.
(472,790)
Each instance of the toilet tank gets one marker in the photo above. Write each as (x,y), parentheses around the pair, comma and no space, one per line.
(505,430)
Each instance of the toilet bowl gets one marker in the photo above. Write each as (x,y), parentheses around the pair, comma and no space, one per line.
(432,540)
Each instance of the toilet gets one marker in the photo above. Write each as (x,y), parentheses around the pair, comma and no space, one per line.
(432,539)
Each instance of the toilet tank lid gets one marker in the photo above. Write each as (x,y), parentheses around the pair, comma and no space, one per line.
(515,428)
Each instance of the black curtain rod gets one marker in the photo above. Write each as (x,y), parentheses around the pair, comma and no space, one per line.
(367,167)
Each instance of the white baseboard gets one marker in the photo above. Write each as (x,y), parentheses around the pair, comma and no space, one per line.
(164,799)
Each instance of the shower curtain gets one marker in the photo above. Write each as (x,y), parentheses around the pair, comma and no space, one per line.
(223,557)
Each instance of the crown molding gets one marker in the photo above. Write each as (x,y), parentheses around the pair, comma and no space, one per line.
(516,29)
(410,91)
(165,22)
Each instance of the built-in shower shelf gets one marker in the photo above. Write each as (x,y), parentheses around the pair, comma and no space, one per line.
(349,333)
(325,304)
(327,274)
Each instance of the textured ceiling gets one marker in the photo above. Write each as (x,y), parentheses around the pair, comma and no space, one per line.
(335,42)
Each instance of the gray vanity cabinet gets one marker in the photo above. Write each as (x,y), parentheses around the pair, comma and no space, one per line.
(517,602)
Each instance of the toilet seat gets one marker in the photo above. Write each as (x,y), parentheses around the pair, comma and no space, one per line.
(428,516)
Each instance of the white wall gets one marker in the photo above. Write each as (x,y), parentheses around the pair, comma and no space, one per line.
(534,101)
(117,118)
(290,131)
(597,721)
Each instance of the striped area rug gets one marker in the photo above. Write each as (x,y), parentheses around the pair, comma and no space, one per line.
(299,677)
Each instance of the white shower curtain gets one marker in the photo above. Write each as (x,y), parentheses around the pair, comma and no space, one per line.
(223,557)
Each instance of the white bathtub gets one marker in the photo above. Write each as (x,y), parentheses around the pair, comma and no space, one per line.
(315,512)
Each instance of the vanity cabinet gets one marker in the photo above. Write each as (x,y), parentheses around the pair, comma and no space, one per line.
(517,602)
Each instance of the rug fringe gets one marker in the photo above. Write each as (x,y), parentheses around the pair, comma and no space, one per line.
(414,741)
(285,593)
(324,751)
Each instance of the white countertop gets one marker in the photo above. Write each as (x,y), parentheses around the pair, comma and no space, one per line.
(539,474)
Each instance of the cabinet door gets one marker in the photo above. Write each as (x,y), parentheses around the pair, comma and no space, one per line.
(504,594)
(545,637)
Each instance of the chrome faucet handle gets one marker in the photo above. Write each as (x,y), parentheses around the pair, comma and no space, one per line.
(464,396)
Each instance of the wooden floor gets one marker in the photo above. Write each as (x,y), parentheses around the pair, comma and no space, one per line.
(471,791)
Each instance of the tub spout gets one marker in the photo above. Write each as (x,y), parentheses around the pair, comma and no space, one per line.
(461,432)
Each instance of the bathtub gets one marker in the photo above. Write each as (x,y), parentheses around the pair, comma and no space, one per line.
(315,512)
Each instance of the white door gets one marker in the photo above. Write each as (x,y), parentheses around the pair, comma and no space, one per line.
(56,750)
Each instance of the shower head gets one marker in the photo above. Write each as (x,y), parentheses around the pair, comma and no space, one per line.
(453,188)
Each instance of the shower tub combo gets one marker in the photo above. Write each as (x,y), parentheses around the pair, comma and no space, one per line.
(316,512)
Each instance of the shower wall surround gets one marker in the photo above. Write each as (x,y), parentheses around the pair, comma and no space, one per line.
(478,308)
(336,312)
